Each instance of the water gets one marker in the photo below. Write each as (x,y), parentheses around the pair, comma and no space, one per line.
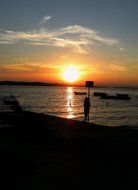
(62,102)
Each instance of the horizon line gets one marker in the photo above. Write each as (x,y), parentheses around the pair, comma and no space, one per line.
(38,83)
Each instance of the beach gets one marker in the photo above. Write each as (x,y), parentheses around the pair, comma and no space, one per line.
(46,152)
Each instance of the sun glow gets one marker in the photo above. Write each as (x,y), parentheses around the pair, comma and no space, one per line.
(70,74)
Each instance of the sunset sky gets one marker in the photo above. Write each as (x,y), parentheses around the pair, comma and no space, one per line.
(41,39)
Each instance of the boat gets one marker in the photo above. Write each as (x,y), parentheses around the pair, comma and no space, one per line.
(10,100)
(80,93)
(99,94)
(13,103)
(122,95)
(116,97)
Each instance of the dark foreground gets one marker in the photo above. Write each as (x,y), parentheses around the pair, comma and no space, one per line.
(45,152)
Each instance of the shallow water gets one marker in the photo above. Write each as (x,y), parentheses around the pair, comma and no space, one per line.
(61,101)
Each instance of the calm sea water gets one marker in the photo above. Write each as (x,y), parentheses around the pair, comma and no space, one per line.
(62,102)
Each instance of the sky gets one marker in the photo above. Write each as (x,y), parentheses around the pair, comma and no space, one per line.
(40,39)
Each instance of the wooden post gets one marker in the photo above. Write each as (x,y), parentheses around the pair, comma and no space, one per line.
(89,99)
(89,84)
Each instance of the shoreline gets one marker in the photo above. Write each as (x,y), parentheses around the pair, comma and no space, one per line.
(9,115)
(47,152)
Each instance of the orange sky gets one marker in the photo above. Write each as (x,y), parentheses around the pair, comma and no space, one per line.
(100,59)
(88,67)
(39,40)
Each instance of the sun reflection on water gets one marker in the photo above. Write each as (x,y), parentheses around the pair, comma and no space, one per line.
(69,98)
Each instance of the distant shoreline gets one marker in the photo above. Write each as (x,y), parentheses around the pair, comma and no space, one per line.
(27,83)
(22,83)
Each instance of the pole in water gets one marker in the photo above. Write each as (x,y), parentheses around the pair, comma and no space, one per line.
(89,99)
(89,84)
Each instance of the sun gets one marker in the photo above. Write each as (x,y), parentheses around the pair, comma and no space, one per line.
(70,74)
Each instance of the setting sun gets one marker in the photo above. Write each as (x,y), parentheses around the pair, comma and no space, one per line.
(70,74)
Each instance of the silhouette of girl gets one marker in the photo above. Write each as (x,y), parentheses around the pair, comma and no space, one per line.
(86,107)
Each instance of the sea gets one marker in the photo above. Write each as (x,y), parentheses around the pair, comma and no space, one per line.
(62,102)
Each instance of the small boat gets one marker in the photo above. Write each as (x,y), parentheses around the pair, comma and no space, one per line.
(99,94)
(10,100)
(13,103)
(80,93)
(122,95)
(116,97)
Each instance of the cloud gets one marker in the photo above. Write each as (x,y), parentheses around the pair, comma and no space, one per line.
(122,49)
(45,19)
(5,42)
(77,38)
(116,67)
(27,68)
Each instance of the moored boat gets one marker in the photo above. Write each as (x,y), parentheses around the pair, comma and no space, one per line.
(122,95)
(12,102)
(80,93)
(116,97)
(9,100)
(99,94)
